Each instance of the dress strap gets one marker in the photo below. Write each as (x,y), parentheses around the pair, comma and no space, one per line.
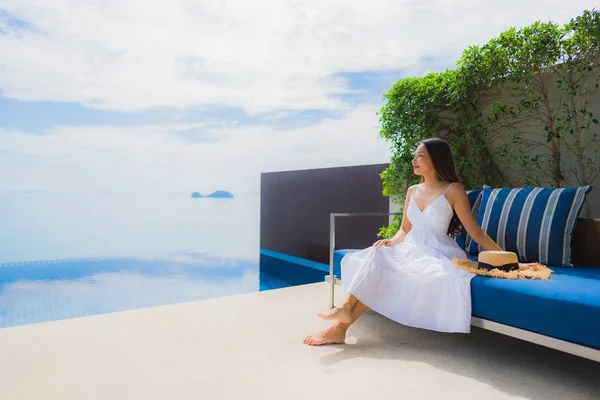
(448,188)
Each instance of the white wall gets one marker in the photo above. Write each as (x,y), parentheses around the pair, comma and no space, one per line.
(536,134)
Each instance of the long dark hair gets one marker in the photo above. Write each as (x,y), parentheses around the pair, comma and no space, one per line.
(443,163)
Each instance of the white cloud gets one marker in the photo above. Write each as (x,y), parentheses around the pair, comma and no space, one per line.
(162,158)
(262,55)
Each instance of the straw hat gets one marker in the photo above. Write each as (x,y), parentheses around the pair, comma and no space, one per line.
(502,264)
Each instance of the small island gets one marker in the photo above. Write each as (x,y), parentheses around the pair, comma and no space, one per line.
(219,194)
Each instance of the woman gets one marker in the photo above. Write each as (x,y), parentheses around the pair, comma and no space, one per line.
(410,278)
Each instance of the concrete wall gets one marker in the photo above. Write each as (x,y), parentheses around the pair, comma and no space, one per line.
(535,134)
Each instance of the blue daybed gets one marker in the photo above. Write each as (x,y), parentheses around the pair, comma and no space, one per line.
(562,312)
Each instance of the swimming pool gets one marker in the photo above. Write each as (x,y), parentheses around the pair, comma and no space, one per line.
(40,291)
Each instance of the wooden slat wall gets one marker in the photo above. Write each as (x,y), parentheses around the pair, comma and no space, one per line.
(295,207)
(585,243)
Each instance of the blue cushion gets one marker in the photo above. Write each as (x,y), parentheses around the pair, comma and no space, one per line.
(566,306)
(337,259)
(463,239)
(536,223)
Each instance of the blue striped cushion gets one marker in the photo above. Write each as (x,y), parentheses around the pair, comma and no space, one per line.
(536,223)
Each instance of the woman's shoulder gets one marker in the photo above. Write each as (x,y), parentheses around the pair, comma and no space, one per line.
(456,187)
(455,191)
(411,189)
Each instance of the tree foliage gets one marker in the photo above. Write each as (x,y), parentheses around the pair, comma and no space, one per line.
(520,100)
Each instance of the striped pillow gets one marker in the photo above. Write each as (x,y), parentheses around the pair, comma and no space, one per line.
(535,223)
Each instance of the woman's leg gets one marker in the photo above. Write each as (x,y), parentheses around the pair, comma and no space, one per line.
(341,313)
(337,332)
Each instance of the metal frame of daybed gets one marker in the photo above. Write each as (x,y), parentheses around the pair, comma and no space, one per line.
(543,340)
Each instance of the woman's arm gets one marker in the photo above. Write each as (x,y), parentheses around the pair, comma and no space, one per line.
(406,226)
(460,202)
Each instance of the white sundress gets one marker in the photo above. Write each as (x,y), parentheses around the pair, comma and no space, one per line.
(414,282)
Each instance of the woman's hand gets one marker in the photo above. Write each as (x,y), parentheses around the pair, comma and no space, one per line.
(385,242)
(525,266)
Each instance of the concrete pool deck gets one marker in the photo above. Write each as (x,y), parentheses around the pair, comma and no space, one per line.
(250,347)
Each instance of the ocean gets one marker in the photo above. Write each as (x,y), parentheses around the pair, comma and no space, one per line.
(50,226)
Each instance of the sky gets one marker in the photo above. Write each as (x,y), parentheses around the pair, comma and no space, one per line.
(178,96)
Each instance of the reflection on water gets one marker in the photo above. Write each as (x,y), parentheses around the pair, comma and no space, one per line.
(211,247)
(43,291)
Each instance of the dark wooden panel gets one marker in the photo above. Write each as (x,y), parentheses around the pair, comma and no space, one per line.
(295,208)
(585,244)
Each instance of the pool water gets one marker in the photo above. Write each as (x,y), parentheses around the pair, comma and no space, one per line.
(39,291)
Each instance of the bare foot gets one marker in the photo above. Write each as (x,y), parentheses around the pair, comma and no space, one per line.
(330,335)
(341,314)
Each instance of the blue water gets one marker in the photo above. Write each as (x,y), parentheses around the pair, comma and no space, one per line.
(39,291)
(66,256)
